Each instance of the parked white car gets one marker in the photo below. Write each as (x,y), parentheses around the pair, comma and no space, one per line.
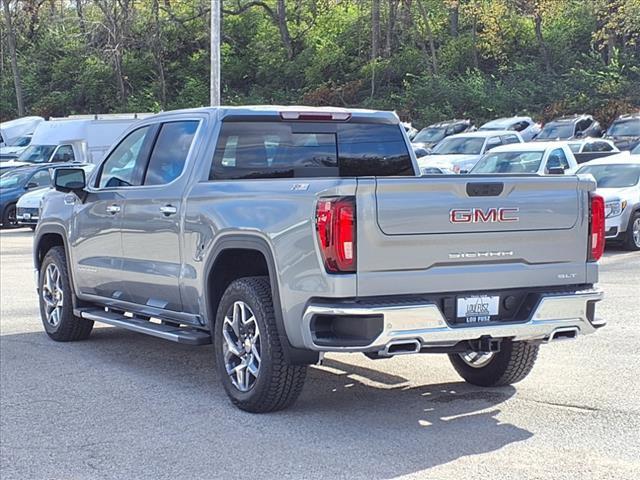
(618,181)
(543,158)
(525,126)
(459,153)
(28,206)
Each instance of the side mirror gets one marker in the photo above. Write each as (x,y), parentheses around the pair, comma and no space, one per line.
(31,185)
(556,171)
(69,180)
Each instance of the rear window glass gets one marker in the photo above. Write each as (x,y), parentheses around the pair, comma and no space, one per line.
(298,149)
(509,162)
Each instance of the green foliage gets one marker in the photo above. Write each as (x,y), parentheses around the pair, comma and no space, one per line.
(71,66)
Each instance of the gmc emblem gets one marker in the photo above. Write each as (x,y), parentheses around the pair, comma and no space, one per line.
(478,215)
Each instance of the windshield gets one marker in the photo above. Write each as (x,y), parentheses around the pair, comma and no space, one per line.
(22,142)
(12,179)
(429,135)
(509,162)
(459,146)
(614,175)
(556,130)
(37,154)
(625,128)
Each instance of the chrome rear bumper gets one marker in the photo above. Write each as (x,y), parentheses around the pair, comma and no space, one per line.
(555,313)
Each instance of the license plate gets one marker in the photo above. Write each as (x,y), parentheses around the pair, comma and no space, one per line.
(26,216)
(477,309)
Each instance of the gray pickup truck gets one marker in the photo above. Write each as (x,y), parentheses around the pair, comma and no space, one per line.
(282,233)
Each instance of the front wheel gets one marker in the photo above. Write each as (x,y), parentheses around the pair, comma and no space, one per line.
(249,356)
(56,305)
(511,364)
(632,238)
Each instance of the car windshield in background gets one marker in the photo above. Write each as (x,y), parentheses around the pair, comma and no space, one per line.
(12,179)
(625,128)
(614,175)
(509,162)
(22,142)
(459,146)
(556,130)
(636,150)
(575,147)
(429,135)
(37,154)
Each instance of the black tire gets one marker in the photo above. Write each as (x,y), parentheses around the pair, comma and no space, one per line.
(68,327)
(277,384)
(629,242)
(9,217)
(511,364)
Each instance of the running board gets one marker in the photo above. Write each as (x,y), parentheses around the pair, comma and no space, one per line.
(184,335)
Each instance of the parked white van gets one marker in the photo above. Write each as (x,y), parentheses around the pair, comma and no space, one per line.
(15,136)
(73,139)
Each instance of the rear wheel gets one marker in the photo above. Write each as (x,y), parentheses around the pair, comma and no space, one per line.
(511,364)
(56,305)
(249,355)
(632,237)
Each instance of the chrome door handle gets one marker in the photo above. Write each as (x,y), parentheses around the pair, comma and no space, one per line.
(113,209)
(168,210)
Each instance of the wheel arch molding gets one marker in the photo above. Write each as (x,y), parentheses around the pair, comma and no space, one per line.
(232,247)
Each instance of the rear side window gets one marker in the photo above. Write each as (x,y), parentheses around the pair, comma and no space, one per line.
(170,152)
(298,149)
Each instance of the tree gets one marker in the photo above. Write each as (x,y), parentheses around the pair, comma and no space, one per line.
(13,53)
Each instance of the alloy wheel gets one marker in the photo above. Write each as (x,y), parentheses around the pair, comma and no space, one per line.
(477,359)
(53,294)
(636,232)
(241,346)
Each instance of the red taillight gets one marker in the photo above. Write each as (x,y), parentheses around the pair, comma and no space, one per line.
(336,226)
(596,228)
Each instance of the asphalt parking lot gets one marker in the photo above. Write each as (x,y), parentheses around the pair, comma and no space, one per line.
(123,405)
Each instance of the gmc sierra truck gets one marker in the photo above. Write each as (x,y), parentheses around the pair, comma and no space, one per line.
(282,233)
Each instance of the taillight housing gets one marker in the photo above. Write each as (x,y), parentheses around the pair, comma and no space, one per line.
(336,228)
(596,228)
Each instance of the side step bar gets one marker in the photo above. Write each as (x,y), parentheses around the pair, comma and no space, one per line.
(185,335)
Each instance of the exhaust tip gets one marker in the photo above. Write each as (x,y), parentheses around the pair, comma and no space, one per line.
(564,334)
(401,347)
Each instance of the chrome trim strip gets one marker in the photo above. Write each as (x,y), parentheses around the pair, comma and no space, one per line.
(426,324)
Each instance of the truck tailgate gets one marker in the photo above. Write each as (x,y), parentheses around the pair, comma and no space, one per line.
(463,233)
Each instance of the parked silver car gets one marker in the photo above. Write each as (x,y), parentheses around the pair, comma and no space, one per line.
(525,126)
(619,183)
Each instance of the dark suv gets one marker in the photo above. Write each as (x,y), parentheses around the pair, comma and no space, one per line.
(566,128)
(429,136)
(625,131)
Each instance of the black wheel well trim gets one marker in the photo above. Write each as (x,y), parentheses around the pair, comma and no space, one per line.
(293,355)
(37,261)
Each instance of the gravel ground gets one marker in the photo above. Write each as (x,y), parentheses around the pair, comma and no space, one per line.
(126,406)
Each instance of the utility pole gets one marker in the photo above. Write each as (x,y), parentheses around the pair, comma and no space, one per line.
(215,53)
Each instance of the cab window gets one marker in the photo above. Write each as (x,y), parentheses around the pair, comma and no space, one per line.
(64,153)
(41,178)
(170,152)
(125,164)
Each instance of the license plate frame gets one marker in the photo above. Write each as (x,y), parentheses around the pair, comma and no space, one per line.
(477,308)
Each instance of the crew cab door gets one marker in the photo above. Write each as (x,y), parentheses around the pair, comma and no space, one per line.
(151,221)
(95,229)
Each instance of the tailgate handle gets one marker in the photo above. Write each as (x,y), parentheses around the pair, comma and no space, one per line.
(484,189)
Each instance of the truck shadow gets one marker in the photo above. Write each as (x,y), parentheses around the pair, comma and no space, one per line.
(351,420)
